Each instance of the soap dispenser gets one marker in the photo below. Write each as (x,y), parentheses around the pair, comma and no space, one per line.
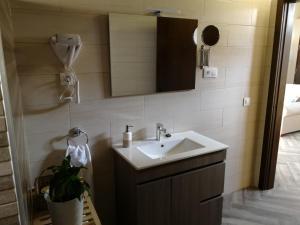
(127,137)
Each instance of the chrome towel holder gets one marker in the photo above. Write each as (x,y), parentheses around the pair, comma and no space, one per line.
(76,132)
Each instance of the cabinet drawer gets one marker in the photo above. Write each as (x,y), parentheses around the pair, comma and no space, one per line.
(204,213)
(199,185)
(210,212)
(191,192)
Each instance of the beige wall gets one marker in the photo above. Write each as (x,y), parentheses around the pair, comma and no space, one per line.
(13,159)
(213,109)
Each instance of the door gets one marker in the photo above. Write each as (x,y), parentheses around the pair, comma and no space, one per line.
(196,196)
(154,203)
(277,83)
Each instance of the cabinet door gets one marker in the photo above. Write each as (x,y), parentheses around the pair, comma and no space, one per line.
(176,54)
(154,203)
(191,193)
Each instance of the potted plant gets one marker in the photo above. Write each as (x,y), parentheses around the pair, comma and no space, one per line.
(65,195)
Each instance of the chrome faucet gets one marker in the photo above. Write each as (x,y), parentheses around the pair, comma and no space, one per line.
(160,129)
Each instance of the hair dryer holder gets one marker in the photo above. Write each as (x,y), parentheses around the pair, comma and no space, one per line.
(67,48)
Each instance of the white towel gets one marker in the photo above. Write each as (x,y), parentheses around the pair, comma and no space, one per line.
(81,156)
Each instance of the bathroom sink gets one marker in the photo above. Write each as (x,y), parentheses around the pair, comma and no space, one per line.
(143,154)
(168,148)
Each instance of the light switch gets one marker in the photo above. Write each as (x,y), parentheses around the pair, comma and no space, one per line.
(246,101)
(210,72)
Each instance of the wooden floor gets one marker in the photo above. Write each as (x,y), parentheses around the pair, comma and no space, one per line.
(280,206)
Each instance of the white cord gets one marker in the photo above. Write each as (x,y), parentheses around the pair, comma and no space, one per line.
(78,92)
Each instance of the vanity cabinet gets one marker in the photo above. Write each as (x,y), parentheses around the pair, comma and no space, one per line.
(186,192)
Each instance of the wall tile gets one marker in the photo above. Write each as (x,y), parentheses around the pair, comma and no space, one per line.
(228,12)
(198,121)
(40,90)
(114,108)
(171,104)
(247,36)
(238,76)
(46,144)
(1,108)
(36,59)
(242,131)
(217,99)
(3,139)
(225,56)
(99,6)
(6,182)
(26,24)
(36,4)
(40,59)
(5,168)
(125,6)
(237,115)
(12,220)
(7,210)
(82,6)
(4,154)
(7,196)
(2,124)
(261,12)
(36,118)
(213,99)
(189,8)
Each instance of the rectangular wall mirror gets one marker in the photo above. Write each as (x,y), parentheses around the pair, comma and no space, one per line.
(150,54)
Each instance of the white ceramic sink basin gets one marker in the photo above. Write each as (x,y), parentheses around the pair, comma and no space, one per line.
(168,148)
(148,153)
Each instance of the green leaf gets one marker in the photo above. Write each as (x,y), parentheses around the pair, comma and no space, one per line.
(66,183)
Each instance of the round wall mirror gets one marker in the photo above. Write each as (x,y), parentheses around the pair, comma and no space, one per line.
(210,35)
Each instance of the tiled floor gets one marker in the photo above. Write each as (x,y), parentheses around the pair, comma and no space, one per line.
(280,206)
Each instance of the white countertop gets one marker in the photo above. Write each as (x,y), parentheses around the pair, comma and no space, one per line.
(141,161)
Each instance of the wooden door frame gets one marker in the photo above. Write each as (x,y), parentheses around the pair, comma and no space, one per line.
(278,77)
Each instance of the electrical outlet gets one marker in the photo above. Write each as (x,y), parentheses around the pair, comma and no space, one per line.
(210,72)
(246,101)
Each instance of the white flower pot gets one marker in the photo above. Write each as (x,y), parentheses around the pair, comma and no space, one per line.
(66,213)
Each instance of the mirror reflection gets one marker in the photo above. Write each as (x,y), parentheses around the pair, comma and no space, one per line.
(150,54)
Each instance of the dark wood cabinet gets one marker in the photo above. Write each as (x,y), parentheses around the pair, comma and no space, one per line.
(176,54)
(191,190)
(186,192)
(154,202)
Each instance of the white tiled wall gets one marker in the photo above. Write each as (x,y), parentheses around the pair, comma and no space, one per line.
(214,108)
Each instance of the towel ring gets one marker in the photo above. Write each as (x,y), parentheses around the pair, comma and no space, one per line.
(76,132)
